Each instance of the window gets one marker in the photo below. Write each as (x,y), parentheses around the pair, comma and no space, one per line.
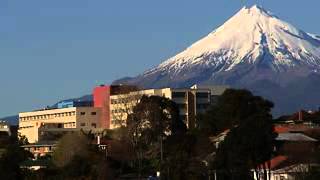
(82,124)
(94,125)
(202,106)
(178,94)
(182,106)
(202,95)
(183,118)
(93,113)
(82,113)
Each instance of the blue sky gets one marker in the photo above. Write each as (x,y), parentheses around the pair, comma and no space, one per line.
(56,49)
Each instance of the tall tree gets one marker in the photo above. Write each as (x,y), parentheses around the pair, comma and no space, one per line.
(251,139)
(153,119)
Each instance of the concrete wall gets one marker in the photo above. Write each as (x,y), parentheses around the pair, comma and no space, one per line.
(67,118)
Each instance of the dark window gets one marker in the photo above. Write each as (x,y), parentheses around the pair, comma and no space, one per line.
(178,94)
(202,106)
(93,113)
(202,95)
(182,106)
(82,113)
(183,118)
(82,124)
(94,125)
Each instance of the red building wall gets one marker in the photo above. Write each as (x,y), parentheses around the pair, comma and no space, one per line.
(101,98)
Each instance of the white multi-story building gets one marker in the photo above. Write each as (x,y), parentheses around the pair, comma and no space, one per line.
(34,125)
(190,101)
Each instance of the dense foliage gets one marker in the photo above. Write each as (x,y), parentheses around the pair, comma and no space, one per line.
(11,157)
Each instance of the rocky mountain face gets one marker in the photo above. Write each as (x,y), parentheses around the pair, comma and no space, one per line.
(254,49)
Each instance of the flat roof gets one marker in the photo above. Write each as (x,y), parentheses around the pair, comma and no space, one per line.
(294,137)
(41,144)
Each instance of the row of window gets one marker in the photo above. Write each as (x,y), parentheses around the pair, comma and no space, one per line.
(42,149)
(182,106)
(202,95)
(48,116)
(70,125)
(55,115)
(58,125)
(117,122)
(184,94)
(119,111)
(125,99)
(178,94)
(84,113)
(94,125)
(202,106)
(25,127)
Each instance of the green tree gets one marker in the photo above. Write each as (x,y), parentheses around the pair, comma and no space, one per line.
(251,139)
(70,145)
(76,157)
(11,158)
(153,119)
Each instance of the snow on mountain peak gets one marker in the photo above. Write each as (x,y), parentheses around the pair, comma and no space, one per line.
(252,36)
(255,10)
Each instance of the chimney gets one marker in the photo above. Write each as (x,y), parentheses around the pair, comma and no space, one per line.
(300,115)
(98,140)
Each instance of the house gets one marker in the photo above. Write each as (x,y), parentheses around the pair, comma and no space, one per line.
(284,168)
(295,144)
(40,149)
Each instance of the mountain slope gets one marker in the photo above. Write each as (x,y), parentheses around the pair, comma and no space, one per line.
(253,46)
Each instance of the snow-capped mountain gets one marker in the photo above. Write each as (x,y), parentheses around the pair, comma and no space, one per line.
(253,46)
